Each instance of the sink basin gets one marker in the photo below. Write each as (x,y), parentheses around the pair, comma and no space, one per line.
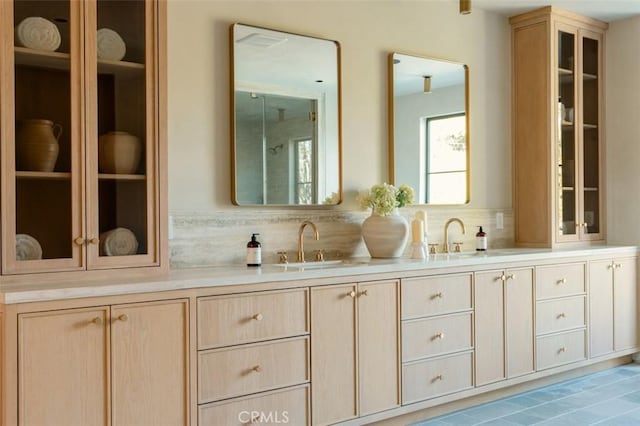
(311,265)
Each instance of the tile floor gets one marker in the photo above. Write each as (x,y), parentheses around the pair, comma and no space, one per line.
(609,397)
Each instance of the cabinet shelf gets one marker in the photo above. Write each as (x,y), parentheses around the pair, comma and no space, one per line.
(589,126)
(568,188)
(43,175)
(590,189)
(587,76)
(61,61)
(113,176)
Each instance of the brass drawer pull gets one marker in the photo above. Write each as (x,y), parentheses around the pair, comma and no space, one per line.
(364,293)
(257,369)
(562,315)
(123,317)
(438,295)
(79,241)
(439,336)
(562,281)
(511,277)
(257,317)
(562,349)
(438,377)
(352,294)
(97,321)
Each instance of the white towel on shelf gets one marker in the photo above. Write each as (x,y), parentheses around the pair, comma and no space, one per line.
(38,33)
(118,242)
(110,45)
(27,248)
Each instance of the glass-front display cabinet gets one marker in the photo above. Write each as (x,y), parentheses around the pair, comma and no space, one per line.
(558,132)
(80,135)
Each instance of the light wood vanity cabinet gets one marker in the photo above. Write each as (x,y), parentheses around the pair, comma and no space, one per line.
(561,324)
(503,324)
(437,336)
(613,305)
(72,203)
(354,350)
(262,341)
(558,128)
(120,364)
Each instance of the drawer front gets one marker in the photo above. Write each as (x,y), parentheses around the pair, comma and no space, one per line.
(435,295)
(428,379)
(434,336)
(230,372)
(560,280)
(230,320)
(286,406)
(561,314)
(560,349)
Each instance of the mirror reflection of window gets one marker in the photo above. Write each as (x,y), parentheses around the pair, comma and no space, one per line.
(446,171)
(304,171)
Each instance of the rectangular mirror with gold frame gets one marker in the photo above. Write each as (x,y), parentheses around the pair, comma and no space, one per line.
(429,128)
(285,118)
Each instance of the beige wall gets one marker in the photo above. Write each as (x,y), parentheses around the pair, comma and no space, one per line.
(623,131)
(367,30)
(207,229)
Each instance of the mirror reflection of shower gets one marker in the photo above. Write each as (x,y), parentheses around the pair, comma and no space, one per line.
(276,147)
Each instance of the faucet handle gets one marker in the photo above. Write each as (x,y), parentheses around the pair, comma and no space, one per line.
(319,255)
(433,248)
(458,246)
(283,257)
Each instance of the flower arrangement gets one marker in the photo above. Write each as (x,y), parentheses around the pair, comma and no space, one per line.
(384,198)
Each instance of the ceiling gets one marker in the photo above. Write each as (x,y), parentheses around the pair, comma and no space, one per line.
(605,10)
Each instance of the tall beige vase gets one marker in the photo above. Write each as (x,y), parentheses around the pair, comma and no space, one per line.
(119,153)
(37,145)
(385,236)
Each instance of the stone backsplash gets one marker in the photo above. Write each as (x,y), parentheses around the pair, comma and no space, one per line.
(220,238)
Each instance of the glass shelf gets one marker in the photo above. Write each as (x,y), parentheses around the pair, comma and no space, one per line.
(43,175)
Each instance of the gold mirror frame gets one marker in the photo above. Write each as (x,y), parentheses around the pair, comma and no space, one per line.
(423,74)
(325,144)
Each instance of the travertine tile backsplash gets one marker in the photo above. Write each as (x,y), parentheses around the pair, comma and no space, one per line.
(218,239)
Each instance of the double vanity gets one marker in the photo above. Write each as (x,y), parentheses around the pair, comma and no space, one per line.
(348,342)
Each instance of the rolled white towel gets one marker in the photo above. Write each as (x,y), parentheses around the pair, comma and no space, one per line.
(38,33)
(118,242)
(27,248)
(110,45)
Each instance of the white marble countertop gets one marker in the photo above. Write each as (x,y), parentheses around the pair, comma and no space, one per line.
(36,291)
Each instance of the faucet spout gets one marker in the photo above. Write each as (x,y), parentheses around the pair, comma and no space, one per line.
(446,231)
(301,238)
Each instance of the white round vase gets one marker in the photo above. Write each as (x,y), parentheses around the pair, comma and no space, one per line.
(385,236)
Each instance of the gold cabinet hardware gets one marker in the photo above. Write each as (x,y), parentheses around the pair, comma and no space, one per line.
(562,349)
(511,277)
(257,317)
(617,265)
(439,335)
(562,281)
(364,293)
(438,377)
(561,315)
(438,295)
(79,241)
(97,321)
(257,369)
(94,240)
(503,277)
(123,317)
(352,294)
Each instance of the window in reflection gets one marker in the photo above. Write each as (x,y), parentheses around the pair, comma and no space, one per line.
(446,170)
(304,171)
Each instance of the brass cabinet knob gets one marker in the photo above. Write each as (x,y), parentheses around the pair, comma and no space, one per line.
(79,241)
(97,320)
(562,281)
(438,295)
(610,266)
(561,315)
(438,377)
(123,317)
(352,294)
(440,335)
(562,349)
(617,265)
(257,317)
(364,293)
(502,277)
(94,240)
(511,277)
(257,369)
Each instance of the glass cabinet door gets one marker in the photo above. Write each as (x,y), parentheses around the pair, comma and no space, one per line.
(42,192)
(120,136)
(591,130)
(566,146)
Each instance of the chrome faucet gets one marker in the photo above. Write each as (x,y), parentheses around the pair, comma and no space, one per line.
(446,231)
(301,238)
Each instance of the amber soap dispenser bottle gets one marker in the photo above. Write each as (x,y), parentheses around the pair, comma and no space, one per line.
(481,240)
(254,252)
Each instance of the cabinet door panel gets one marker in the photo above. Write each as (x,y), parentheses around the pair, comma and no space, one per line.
(625,304)
(333,349)
(600,308)
(519,322)
(63,368)
(489,343)
(150,363)
(378,346)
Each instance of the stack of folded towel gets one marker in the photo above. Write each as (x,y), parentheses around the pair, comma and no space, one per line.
(38,33)
(110,45)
